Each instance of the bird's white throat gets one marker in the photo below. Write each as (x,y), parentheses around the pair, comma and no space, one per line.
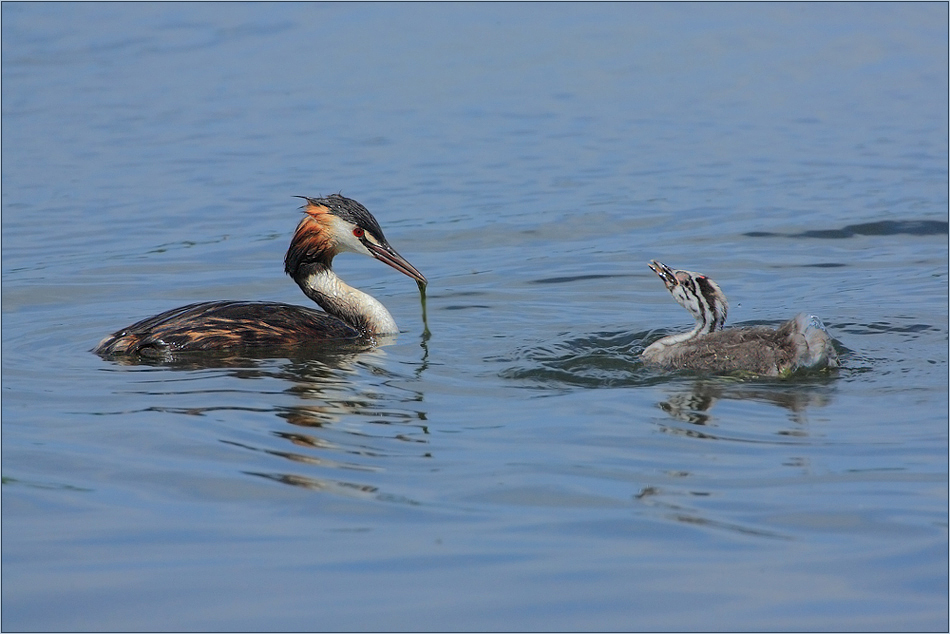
(353,306)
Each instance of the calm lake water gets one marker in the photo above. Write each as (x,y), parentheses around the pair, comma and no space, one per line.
(519,469)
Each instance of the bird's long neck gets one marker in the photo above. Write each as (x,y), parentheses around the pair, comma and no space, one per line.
(706,322)
(671,340)
(356,308)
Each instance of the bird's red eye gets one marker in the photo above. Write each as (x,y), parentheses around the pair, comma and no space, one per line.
(358,232)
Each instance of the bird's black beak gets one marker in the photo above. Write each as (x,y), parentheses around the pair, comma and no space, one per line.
(387,254)
(664,272)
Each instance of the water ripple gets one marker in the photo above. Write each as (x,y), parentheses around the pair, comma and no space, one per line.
(881,228)
(600,360)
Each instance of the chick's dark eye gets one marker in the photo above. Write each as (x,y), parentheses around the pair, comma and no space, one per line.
(358,232)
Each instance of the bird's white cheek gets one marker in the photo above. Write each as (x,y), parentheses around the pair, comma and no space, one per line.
(349,242)
(345,240)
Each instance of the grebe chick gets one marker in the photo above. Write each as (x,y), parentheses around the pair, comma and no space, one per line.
(800,343)
(330,226)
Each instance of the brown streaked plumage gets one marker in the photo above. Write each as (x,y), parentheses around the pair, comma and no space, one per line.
(800,343)
(330,226)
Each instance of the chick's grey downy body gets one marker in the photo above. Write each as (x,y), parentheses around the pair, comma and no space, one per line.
(800,343)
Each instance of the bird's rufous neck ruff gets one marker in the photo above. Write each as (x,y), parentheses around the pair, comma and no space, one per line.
(358,309)
(312,241)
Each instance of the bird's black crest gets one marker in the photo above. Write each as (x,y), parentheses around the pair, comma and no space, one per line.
(349,210)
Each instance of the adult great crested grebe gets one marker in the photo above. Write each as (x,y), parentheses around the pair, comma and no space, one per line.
(330,226)
(800,343)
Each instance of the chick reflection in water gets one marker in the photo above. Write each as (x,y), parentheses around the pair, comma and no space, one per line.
(800,343)
(694,403)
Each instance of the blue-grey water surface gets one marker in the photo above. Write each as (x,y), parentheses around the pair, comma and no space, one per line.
(519,469)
